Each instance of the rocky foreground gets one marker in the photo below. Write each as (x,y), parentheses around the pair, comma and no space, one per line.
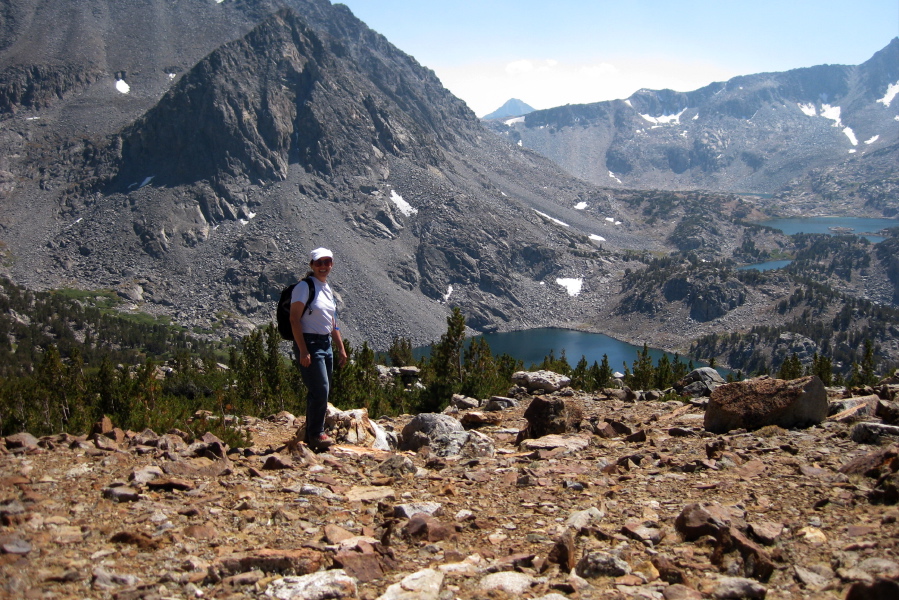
(628,498)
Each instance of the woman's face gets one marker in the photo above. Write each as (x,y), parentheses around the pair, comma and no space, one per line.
(322,267)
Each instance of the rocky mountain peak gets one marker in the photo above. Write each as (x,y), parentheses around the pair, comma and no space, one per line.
(512,108)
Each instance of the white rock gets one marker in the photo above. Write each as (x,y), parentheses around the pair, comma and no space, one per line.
(507,581)
(323,585)
(422,585)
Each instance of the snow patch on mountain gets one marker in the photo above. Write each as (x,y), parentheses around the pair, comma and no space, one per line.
(572,285)
(892,92)
(403,206)
(553,219)
(664,119)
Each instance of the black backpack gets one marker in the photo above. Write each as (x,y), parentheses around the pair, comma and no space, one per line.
(282,312)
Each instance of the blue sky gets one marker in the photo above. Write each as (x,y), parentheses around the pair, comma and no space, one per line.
(576,51)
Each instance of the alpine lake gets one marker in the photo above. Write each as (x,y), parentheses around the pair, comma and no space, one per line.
(866,227)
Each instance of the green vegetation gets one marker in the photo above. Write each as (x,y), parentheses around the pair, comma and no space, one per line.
(68,358)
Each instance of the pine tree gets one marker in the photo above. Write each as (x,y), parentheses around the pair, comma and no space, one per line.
(601,375)
(868,374)
(482,377)
(664,376)
(400,352)
(579,375)
(791,368)
(642,376)
(445,365)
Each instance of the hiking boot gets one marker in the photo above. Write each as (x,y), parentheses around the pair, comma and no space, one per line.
(320,442)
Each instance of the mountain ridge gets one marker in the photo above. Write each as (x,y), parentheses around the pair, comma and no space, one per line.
(725,136)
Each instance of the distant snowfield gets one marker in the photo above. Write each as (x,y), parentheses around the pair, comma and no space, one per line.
(892,92)
(553,219)
(832,113)
(404,207)
(122,86)
(664,119)
(572,285)
(514,120)
(597,238)
(580,206)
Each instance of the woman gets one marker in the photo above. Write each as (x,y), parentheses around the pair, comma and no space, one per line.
(313,328)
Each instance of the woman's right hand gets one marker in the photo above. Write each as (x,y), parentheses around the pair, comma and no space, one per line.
(305,358)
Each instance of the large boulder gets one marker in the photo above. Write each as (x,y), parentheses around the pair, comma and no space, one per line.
(541,381)
(445,436)
(699,382)
(756,403)
(548,416)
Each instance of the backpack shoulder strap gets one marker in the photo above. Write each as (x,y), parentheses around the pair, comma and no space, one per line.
(311,285)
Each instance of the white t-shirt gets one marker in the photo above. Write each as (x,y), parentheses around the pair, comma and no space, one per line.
(323,319)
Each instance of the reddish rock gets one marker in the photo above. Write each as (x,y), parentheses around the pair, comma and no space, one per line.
(201,532)
(564,552)
(422,526)
(881,589)
(277,462)
(696,520)
(668,571)
(334,534)
(363,566)
(766,532)
(21,440)
(756,403)
(102,427)
(301,561)
(756,562)
(873,463)
(135,538)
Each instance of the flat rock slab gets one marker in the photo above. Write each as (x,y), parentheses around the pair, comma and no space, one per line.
(571,443)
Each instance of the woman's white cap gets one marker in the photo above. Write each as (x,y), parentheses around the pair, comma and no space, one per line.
(320,253)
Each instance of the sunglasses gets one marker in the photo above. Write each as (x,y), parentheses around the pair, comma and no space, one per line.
(322,261)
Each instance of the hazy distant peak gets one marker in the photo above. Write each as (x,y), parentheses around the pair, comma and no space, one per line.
(512,108)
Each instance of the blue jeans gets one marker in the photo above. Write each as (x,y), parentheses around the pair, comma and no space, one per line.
(318,378)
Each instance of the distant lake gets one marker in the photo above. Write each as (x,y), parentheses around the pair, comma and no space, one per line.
(531,346)
(771,265)
(858,225)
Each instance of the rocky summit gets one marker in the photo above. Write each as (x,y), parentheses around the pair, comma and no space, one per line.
(613,495)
